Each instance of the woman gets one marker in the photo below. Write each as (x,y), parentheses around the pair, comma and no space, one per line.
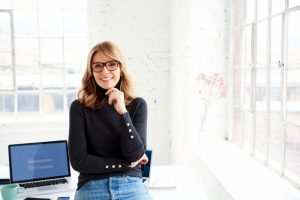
(108,130)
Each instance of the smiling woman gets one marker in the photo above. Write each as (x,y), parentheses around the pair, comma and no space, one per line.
(108,130)
(105,68)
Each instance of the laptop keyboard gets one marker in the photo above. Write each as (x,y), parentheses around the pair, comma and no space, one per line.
(43,183)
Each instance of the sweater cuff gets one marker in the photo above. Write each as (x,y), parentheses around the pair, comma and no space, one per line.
(129,127)
(115,166)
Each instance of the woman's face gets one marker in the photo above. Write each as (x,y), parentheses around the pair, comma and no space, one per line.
(105,79)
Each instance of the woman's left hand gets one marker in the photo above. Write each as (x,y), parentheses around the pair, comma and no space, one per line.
(116,97)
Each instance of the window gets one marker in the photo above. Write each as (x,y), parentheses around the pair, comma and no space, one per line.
(266,86)
(43,49)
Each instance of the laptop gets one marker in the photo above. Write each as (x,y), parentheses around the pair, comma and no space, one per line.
(41,168)
(146,169)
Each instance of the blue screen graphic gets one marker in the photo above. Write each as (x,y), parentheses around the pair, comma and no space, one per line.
(38,161)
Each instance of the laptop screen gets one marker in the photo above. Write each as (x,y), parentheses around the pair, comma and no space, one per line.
(146,168)
(38,161)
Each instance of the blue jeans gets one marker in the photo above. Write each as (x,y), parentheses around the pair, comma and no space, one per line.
(114,188)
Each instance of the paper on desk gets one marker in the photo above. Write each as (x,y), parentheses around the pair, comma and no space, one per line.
(166,182)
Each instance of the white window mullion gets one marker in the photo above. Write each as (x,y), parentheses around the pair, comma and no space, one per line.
(13,61)
(283,82)
(253,90)
(268,88)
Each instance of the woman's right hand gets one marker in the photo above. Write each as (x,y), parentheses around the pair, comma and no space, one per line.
(143,160)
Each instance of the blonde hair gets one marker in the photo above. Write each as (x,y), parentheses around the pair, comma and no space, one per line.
(87,95)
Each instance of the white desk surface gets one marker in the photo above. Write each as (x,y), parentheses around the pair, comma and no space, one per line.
(167,182)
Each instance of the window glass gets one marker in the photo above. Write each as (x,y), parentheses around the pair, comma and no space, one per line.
(5,32)
(277,6)
(5,59)
(51,51)
(28,101)
(293,37)
(293,3)
(25,23)
(275,94)
(7,102)
(293,96)
(262,43)
(27,77)
(52,77)
(26,51)
(6,78)
(21,4)
(74,4)
(275,50)
(75,50)
(261,91)
(73,76)
(247,52)
(48,56)
(261,114)
(71,96)
(250,11)
(74,23)
(53,4)
(50,23)
(262,9)
(263,132)
(247,89)
(52,101)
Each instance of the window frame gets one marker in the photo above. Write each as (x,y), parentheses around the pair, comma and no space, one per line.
(66,89)
(240,25)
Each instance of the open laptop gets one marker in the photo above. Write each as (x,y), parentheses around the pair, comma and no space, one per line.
(41,168)
(146,168)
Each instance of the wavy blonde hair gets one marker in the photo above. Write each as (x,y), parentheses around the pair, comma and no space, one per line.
(87,95)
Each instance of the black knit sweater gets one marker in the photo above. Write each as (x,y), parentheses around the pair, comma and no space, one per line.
(103,143)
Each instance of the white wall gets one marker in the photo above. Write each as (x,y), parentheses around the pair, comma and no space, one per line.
(199,44)
(141,29)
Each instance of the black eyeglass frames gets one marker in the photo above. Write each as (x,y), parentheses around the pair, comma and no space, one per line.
(110,66)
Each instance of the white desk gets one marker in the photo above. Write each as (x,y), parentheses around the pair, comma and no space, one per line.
(186,187)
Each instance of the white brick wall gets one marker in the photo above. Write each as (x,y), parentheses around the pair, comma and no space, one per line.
(199,44)
(141,29)
(208,42)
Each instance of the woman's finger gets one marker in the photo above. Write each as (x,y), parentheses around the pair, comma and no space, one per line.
(112,97)
(111,90)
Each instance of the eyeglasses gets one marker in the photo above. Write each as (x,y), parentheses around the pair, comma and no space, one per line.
(110,66)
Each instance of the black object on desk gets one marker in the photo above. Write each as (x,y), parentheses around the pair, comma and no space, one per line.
(4,181)
(33,198)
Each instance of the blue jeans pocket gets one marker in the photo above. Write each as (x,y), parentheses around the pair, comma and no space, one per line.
(133,179)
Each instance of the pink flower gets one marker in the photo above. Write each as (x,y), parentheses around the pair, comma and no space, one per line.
(211,87)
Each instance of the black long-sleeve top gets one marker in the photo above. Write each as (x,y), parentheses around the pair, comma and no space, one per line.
(103,143)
